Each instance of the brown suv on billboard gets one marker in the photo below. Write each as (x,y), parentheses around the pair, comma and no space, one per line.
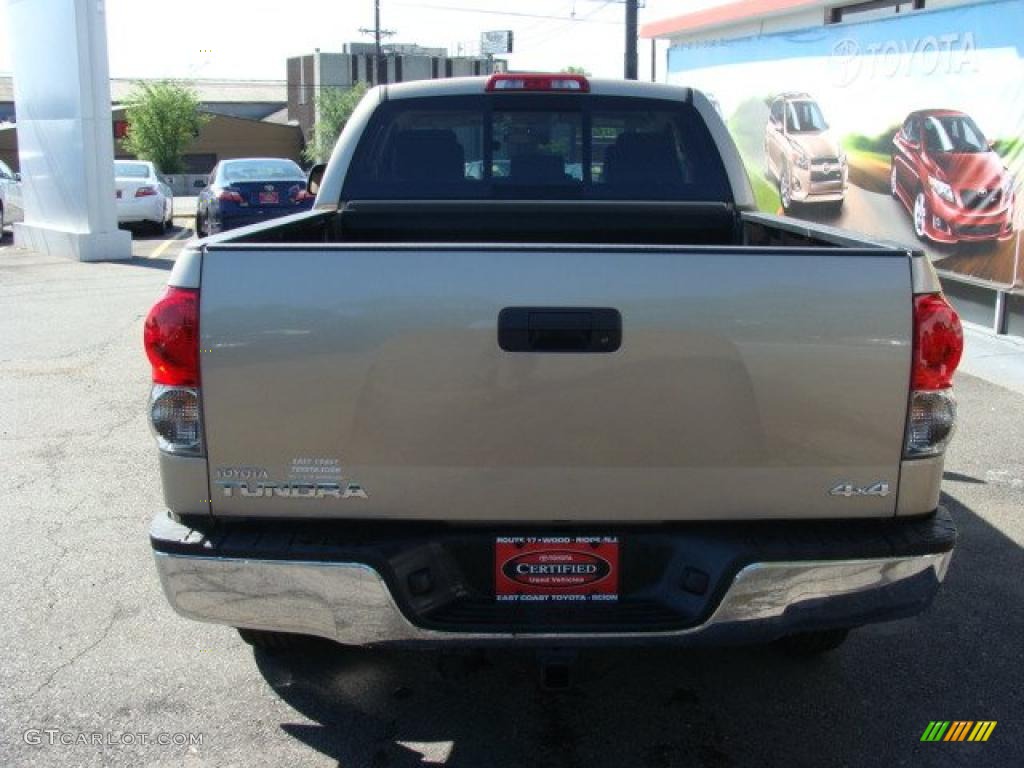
(802,154)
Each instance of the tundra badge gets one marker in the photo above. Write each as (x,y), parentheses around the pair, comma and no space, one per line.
(344,490)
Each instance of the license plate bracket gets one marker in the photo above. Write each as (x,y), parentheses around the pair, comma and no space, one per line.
(556,569)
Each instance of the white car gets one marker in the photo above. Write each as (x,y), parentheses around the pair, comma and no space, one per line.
(142,196)
(11,206)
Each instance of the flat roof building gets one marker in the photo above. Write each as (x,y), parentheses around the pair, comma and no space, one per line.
(356,64)
(252,99)
(248,117)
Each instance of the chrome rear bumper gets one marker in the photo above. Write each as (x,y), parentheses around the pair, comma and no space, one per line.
(351,602)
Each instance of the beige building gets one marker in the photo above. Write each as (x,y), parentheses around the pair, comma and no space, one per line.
(221,138)
(247,118)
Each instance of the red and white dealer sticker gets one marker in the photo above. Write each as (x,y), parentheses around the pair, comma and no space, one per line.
(556,569)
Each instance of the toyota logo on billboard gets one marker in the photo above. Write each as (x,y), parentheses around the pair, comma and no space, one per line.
(845,61)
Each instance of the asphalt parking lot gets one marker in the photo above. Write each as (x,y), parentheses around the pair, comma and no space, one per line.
(89,645)
(163,247)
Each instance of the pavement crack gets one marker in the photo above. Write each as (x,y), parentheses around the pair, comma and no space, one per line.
(114,618)
(52,536)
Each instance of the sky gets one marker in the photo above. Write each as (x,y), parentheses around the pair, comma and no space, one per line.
(250,39)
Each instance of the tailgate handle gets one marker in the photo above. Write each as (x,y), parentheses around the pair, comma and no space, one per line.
(559,329)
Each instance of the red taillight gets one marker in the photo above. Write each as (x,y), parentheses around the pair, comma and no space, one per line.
(145,191)
(297,194)
(538,82)
(230,195)
(171,337)
(938,342)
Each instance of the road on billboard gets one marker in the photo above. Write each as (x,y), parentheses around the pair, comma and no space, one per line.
(870,208)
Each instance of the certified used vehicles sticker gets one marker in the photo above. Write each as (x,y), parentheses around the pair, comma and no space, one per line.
(556,568)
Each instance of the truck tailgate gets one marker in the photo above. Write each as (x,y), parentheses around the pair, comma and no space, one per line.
(366,381)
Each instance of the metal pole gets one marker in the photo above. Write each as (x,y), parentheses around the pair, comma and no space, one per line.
(654,60)
(999,316)
(631,55)
(382,70)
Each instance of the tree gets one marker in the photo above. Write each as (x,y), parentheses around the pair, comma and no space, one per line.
(334,107)
(574,70)
(163,120)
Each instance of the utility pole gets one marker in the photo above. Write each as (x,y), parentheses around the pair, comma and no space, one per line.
(378,33)
(631,54)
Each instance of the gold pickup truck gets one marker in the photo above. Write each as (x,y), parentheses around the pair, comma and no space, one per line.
(534,371)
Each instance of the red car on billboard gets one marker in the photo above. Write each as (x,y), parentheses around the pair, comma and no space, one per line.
(950,179)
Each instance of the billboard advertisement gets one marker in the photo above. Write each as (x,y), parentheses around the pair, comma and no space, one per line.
(907,128)
(496,42)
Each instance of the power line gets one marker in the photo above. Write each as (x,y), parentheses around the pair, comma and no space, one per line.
(463,9)
(560,28)
(528,28)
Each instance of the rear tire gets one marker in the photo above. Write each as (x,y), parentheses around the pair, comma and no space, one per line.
(199,226)
(272,642)
(807,645)
(1,221)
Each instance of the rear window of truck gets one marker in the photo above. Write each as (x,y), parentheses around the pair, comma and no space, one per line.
(547,147)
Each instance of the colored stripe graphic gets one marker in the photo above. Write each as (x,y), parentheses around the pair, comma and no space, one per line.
(958,730)
(935,730)
(982,730)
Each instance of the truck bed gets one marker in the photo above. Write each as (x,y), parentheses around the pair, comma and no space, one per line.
(748,380)
(549,221)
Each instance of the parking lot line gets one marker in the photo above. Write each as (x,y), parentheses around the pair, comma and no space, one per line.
(167,243)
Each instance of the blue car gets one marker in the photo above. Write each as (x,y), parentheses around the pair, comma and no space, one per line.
(250,190)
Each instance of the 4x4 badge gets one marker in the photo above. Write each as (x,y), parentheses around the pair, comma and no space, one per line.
(849,489)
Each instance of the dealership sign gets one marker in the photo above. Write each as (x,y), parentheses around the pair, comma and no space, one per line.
(950,53)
